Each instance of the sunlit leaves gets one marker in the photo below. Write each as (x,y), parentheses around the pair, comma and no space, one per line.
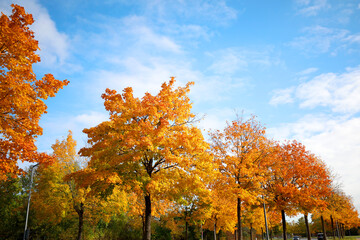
(21,94)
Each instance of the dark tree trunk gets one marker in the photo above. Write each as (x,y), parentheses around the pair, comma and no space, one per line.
(147,227)
(80,212)
(332,226)
(186,230)
(307,227)
(251,232)
(323,226)
(240,233)
(284,224)
(271,234)
(262,234)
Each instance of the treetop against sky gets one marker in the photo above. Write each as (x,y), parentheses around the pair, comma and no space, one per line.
(294,64)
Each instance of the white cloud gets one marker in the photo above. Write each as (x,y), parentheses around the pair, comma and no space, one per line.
(215,119)
(318,39)
(136,26)
(90,119)
(216,11)
(307,71)
(231,60)
(53,44)
(339,92)
(311,7)
(282,96)
(354,38)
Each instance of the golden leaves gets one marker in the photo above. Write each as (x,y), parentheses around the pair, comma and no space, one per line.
(21,93)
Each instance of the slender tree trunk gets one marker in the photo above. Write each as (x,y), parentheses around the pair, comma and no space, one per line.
(202,233)
(251,232)
(215,230)
(262,234)
(186,230)
(271,234)
(240,233)
(80,212)
(323,227)
(332,226)
(147,227)
(307,226)
(337,229)
(284,224)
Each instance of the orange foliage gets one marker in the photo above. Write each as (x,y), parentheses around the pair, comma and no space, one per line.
(21,94)
(241,153)
(299,180)
(149,143)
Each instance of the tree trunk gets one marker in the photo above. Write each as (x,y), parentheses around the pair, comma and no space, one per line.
(147,227)
(307,227)
(215,230)
(186,230)
(240,233)
(80,212)
(284,224)
(323,226)
(202,233)
(337,229)
(332,226)
(251,232)
(271,234)
(262,234)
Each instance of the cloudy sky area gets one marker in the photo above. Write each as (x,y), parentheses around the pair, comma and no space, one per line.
(294,64)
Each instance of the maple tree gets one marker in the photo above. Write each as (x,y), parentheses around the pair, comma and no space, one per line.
(192,205)
(148,143)
(240,150)
(314,186)
(21,94)
(339,210)
(58,198)
(298,182)
(223,210)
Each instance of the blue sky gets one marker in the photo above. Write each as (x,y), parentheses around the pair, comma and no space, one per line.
(294,64)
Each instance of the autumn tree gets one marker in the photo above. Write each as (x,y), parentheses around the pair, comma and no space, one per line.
(298,180)
(21,93)
(223,210)
(58,199)
(149,143)
(192,203)
(314,187)
(241,150)
(339,211)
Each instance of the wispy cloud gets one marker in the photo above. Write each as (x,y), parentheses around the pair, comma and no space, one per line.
(231,60)
(339,92)
(311,7)
(282,96)
(215,11)
(307,71)
(318,39)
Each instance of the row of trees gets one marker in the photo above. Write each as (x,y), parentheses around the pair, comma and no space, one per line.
(149,163)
